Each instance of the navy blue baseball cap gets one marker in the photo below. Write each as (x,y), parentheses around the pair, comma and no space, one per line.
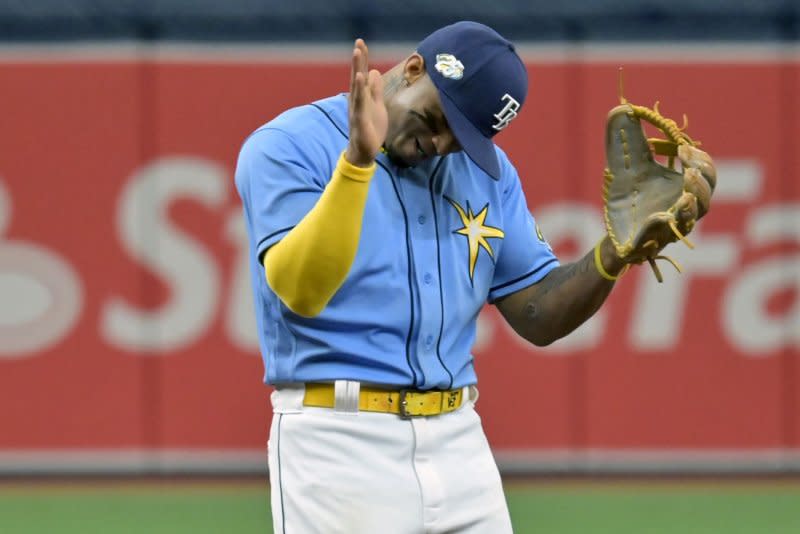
(482,85)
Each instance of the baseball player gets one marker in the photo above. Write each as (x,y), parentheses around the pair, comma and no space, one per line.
(380,222)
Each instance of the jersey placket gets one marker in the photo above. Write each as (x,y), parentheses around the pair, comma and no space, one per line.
(427,297)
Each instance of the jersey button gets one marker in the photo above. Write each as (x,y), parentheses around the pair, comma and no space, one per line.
(429,341)
(428,278)
(421,219)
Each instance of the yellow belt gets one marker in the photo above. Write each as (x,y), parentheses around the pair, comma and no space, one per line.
(406,403)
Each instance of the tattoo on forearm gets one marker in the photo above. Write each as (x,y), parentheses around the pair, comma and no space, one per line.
(564,273)
(563,300)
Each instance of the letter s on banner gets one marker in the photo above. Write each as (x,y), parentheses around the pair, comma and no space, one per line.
(183,263)
(42,295)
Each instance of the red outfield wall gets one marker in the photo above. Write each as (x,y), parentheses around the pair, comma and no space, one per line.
(125,311)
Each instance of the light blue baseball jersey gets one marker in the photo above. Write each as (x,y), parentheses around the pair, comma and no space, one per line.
(437,242)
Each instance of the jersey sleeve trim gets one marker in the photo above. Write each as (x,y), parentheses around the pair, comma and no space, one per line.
(270,240)
(527,279)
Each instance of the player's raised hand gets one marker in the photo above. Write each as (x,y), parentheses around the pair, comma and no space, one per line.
(367,111)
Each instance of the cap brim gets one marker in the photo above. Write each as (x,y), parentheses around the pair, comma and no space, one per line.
(479,148)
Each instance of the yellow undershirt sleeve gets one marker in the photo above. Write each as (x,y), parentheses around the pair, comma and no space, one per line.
(311,262)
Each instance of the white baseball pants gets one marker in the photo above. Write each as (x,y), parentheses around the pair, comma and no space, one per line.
(343,471)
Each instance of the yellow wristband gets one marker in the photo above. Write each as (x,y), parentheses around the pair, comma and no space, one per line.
(599,265)
(354,172)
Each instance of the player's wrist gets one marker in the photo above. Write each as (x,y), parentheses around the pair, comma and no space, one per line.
(356,172)
(358,160)
(609,265)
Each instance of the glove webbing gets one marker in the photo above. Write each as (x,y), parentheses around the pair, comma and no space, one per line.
(663,147)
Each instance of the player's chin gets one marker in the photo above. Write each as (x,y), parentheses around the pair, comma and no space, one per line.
(407,156)
(413,155)
(414,160)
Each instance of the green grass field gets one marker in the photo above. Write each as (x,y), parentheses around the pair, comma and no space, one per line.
(553,507)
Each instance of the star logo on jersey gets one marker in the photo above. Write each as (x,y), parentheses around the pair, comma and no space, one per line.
(476,233)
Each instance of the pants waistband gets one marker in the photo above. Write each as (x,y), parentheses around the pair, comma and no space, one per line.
(347,396)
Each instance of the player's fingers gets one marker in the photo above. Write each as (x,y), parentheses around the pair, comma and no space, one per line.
(357,95)
(354,66)
(365,55)
(694,157)
(363,59)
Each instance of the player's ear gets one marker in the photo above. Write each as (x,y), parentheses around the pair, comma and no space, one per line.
(414,68)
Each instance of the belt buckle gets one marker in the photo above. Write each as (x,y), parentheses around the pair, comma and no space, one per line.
(420,408)
(403,405)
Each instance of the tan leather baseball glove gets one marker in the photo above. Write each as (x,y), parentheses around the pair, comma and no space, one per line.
(648,205)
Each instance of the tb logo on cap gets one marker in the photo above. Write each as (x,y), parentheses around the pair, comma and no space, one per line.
(507,114)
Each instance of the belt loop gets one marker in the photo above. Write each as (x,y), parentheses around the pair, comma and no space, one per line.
(472,394)
(346,394)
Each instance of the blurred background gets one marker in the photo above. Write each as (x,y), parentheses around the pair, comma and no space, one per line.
(131,394)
